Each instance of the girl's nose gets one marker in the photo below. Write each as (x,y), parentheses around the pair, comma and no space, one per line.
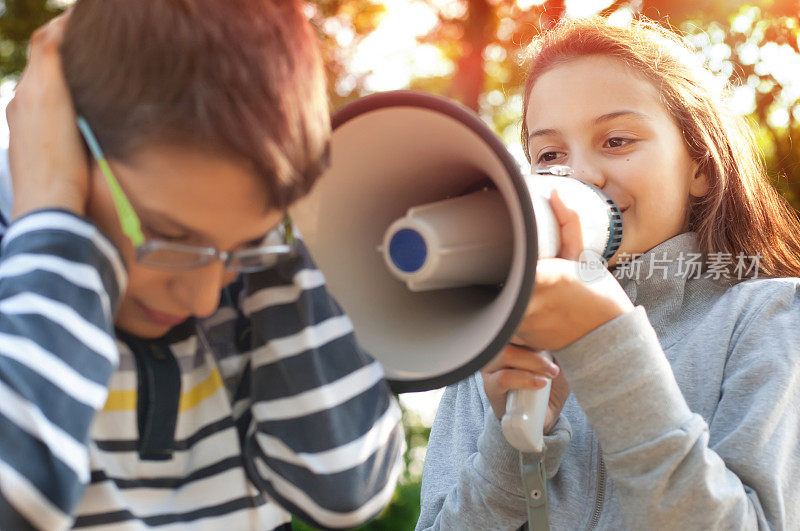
(590,174)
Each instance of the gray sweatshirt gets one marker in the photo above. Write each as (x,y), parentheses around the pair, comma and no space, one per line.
(683,415)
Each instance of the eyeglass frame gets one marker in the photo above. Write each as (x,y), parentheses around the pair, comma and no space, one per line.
(132,227)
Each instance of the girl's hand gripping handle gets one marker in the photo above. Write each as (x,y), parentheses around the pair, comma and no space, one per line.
(526,413)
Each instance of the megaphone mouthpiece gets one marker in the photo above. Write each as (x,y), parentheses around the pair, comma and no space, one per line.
(407,250)
(457,242)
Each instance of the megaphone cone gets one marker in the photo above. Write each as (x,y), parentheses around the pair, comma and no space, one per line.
(395,152)
(391,152)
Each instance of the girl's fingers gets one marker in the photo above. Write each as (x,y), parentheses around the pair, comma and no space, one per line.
(524,359)
(533,361)
(506,380)
(571,233)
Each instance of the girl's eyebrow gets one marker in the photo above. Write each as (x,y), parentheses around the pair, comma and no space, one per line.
(617,114)
(604,118)
(542,132)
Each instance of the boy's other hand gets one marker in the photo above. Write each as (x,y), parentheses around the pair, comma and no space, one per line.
(49,168)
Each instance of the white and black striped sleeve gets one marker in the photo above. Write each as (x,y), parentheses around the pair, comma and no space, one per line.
(60,282)
(323,435)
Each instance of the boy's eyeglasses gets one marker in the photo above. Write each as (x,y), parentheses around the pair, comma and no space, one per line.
(178,256)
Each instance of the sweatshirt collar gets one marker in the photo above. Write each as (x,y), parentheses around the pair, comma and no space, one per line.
(668,281)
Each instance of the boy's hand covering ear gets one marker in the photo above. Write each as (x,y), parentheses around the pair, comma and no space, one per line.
(49,168)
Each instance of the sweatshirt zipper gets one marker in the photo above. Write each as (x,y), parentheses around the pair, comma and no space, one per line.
(601,491)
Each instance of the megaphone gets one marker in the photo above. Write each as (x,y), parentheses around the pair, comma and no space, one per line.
(394,156)
(428,235)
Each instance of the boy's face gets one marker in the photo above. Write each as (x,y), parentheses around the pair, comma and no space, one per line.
(186,196)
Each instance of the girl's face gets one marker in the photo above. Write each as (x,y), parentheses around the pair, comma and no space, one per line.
(598,116)
(186,196)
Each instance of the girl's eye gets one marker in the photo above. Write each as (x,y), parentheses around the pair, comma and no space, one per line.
(617,142)
(548,156)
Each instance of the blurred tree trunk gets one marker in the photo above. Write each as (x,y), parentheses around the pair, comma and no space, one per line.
(479,28)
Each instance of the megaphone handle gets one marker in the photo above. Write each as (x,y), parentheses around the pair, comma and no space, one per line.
(523,422)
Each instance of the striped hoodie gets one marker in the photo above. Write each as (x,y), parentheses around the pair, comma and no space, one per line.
(230,422)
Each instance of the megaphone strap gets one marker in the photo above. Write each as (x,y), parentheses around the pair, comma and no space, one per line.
(534,484)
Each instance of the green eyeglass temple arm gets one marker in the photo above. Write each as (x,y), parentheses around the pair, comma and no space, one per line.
(128,218)
(131,225)
(288,229)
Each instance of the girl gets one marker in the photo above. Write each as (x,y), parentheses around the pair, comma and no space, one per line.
(674,396)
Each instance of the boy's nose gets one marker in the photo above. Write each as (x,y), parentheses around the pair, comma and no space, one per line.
(198,290)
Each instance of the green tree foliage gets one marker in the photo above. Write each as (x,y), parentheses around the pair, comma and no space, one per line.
(342,25)
(761,46)
(18,19)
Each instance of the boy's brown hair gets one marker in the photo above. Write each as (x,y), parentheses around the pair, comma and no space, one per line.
(237,78)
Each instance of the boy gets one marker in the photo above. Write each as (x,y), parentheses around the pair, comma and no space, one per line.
(187,367)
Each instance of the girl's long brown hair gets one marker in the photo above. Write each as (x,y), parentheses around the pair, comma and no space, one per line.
(742,212)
